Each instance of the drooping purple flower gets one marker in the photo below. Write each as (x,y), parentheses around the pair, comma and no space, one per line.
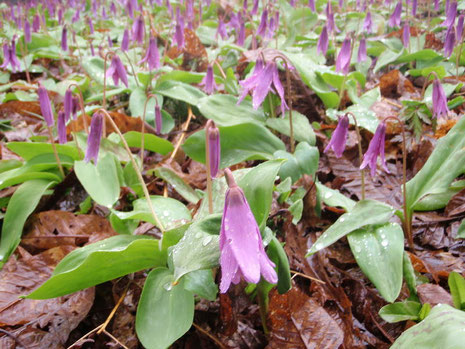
(406,34)
(75,108)
(209,81)
(6,56)
(323,42)
(375,149)
(330,18)
(113,9)
(241,36)
(95,135)
(27,31)
(343,58)
(394,20)
(64,39)
(341,3)
(460,28)
(138,30)
(436,5)
(36,23)
(311,4)
(45,105)
(221,30)
(451,14)
(214,148)
(92,51)
(339,137)
(262,27)
(414,7)
(104,14)
(241,246)
(110,42)
(449,43)
(440,107)
(254,8)
(158,119)
(367,23)
(152,56)
(61,126)
(179,34)
(125,41)
(117,71)
(91,25)
(130,8)
(76,17)
(362,51)
(68,104)
(9,56)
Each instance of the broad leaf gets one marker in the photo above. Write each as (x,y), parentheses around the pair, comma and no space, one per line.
(364,213)
(457,289)
(99,262)
(151,142)
(180,91)
(303,131)
(165,311)
(400,311)
(201,283)
(21,205)
(178,184)
(378,251)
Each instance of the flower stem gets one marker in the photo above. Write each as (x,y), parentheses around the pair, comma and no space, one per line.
(407,217)
(208,164)
(263,300)
(55,152)
(24,53)
(136,168)
(142,140)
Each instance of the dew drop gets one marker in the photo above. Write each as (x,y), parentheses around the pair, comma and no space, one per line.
(328,195)
(207,240)
(318,246)
(384,243)
(168,286)
(342,219)
(166,213)
(198,235)
(358,249)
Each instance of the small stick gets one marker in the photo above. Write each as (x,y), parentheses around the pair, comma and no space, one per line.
(296,273)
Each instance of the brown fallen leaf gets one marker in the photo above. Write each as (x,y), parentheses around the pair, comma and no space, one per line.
(38,324)
(434,294)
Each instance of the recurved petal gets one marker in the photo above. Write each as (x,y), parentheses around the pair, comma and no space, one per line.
(229,267)
(267,267)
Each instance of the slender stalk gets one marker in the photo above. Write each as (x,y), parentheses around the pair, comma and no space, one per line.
(104,102)
(263,300)
(24,53)
(208,164)
(132,68)
(407,217)
(55,152)
(136,168)
(81,105)
(423,89)
(142,140)
(220,69)
(360,153)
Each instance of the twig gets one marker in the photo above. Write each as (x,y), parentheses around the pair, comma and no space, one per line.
(296,273)
(212,337)
(115,339)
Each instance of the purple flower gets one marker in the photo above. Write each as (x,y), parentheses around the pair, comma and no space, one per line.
(436,5)
(214,148)
(221,30)
(362,51)
(262,27)
(460,28)
(9,57)
(311,4)
(138,30)
(45,105)
(439,100)
(158,119)
(343,58)
(209,81)
(75,108)
(449,42)
(179,35)
(254,8)
(414,7)
(61,125)
(241,246)
(92,51)
(125,41)
(241,36)
(36,24)
(27,31)
(323,42)
(91,25)
(117,71)
(113,9)
(375,149)
(394,20)
(68,104)
(451,14)
(95,135)
(6,56)
(110,42)
(367,23)
(64,39)
(406,34)
(330,18)
(339,137)
(152,56)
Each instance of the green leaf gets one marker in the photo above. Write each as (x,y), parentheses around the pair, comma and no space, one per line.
(151,142)
(165,311)
(199,248)
(172,213)
(303,131)
(400,311)
(307,158)
(177,183)
(333,198)
(101,181)
(379,251)
(457,289)
(364,213)
(201,283)
(423,55)
(99,262)
(23,202)
(224,110)
(258,185)
(461,230)
(409,276)
(387,57)
(181,75)
(241,142)
(180,91)
(278,256)
(28,150)
(445,164)
(442,328)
